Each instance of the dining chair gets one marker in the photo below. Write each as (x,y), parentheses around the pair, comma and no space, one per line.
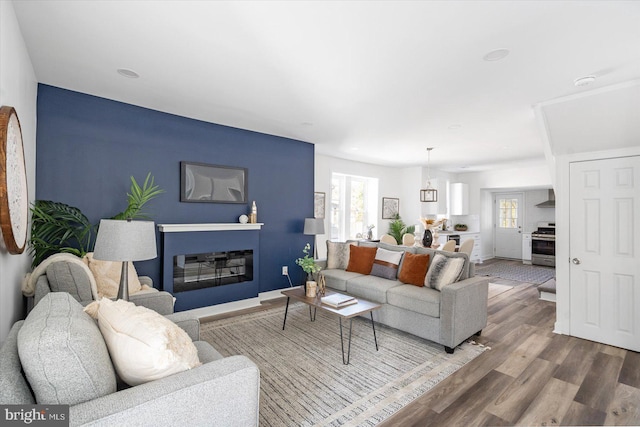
(408,239)
(450,246)
(389,239)
(466,247)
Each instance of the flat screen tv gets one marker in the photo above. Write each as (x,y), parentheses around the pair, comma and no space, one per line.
(205,183)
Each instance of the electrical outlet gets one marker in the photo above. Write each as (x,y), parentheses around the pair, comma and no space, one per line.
(285,270)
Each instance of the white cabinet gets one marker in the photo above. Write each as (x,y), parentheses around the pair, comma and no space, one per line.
(526,248)
(476,255)
(459,198)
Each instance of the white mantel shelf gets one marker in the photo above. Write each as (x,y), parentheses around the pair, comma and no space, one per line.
(182,228)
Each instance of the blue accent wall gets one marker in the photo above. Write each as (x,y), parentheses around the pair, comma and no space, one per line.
(88,147)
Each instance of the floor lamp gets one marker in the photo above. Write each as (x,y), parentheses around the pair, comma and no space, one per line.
(120,240)
(313,227)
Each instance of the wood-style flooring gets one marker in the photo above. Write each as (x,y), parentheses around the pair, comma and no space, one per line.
(531,376)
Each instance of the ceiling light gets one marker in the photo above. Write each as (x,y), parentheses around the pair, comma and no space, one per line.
(583,81)
(454,126)
(496,55)
(128,73)
(429,194)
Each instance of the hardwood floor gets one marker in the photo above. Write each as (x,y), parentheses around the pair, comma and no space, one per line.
(531,376)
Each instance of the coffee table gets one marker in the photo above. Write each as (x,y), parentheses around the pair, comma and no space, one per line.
(348,312)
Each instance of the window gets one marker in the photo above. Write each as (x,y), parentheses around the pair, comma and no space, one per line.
(508,213)
(354,204)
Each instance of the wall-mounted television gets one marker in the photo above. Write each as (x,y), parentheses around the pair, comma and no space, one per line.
(205,183)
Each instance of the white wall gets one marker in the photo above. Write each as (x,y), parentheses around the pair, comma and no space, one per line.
(532,214)
(18,88)
(482,185)
(391,184)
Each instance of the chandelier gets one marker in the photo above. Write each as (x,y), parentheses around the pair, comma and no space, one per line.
(429,194)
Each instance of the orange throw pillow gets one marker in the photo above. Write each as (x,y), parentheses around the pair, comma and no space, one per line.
(414,269)
(361,259)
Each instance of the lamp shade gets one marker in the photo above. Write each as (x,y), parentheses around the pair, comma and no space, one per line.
(314,226)
(120,240)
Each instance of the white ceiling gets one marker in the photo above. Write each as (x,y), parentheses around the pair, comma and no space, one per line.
(376,81)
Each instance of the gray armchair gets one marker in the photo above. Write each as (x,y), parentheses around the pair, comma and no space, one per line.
(70,277)
(50,368)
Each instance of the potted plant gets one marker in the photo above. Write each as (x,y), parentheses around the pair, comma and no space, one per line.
(397,229)
(308,264)
(57,227)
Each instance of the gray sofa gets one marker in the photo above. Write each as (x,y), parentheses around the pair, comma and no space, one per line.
(448,317)
(61,349)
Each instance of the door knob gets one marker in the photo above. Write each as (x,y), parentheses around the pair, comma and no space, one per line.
(576,261)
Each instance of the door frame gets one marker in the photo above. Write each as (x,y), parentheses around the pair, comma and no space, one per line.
(563,221)
(521,213)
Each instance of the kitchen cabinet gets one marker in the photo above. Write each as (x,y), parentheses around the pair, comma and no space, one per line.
(459,198)
(476,255)
(526,248)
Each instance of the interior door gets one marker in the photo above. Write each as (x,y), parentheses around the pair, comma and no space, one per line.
(604,247)
(508,225)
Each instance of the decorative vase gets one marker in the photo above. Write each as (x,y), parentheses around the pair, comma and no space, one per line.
(427,239)
(308,279)
(370,235)
(310,291)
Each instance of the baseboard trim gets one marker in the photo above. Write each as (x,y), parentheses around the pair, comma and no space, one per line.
(276,293)
(228,307)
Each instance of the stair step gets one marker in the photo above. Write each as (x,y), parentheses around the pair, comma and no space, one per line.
(547,291)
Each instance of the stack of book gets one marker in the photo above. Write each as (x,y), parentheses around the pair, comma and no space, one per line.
(338,300)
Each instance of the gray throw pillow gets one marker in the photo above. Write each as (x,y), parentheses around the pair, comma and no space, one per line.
(444,271)
(63,354)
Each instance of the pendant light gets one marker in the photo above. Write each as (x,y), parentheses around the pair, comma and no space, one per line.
(429,194)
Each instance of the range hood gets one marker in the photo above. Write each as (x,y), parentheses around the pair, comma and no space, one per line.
(550,203)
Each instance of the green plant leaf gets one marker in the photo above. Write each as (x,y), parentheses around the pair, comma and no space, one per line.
(138,197)
(57,227)
(397,229)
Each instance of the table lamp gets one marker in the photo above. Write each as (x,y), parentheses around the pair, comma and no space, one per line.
(313,227)
(125,240)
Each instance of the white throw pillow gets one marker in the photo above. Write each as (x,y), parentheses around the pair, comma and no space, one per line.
(107,275)
(338,254)
(386,263)
(443,271)
(144,346)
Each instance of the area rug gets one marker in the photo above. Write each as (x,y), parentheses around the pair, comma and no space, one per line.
(519,272)
(303,381)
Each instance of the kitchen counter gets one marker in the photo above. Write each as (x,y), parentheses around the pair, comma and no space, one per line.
(458,232)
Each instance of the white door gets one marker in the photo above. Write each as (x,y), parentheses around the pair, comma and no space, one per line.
(508,225)
(604,251)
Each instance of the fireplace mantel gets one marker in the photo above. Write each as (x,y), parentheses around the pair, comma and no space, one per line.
(182,228)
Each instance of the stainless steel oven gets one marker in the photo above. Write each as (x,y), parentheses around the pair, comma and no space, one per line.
(543,244)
